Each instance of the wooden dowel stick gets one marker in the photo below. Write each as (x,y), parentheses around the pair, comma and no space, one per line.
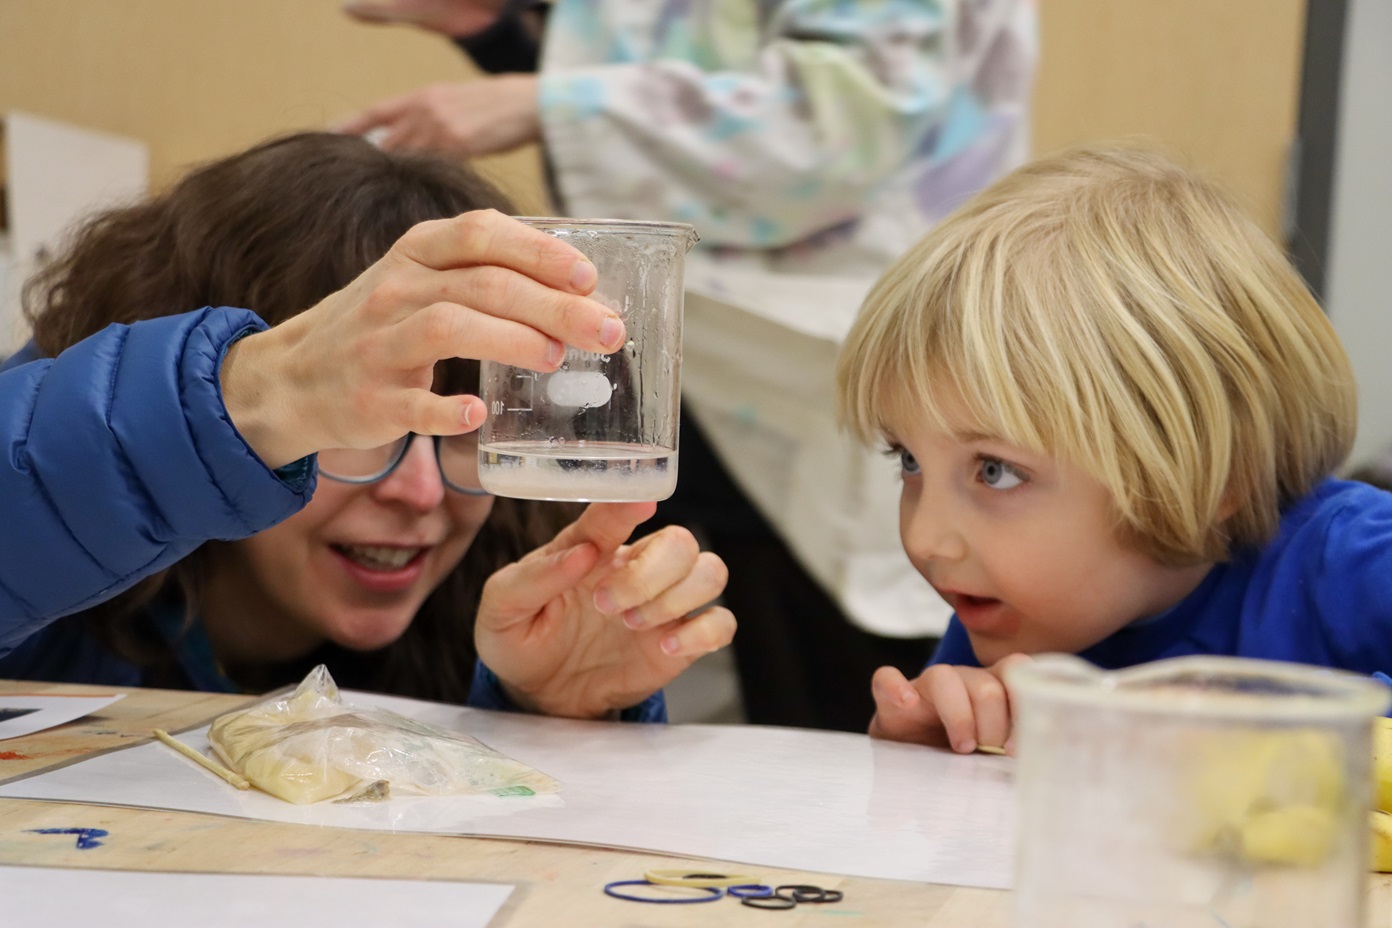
(235,779)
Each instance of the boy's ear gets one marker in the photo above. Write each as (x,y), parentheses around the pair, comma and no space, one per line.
(1228,505)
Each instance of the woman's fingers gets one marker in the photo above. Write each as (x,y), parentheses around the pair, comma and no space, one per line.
(666,562)
(517,592)
(447,330)
(511,294)
(708,630)
(604,525)
(676,591)
(454,18)
(381,113)
(399,134)
(494,265)
(487,237)
(501,315)
(430,413)
(490,312)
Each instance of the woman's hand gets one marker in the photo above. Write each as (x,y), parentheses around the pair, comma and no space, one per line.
(448,17)
(466,119)
(945,706)
(355,370)
(587,625)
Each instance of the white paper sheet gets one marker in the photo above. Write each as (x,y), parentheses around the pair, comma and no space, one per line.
(778,797)
(41,897)
(24,714)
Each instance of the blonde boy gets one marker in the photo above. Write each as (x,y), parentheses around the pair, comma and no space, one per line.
(1116,408)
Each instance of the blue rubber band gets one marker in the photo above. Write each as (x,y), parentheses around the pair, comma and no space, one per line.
(712,893)
(750,891)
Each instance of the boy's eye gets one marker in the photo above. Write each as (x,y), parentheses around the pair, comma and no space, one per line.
(999,475)
(907,462)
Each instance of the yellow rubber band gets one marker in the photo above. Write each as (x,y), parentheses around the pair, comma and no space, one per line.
(697,879)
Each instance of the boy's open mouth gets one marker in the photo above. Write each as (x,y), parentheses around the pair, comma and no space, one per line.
(984,615)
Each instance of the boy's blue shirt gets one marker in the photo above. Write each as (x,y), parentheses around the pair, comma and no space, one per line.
(1319,593)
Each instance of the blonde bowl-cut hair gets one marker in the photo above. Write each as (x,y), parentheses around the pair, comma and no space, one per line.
(1109,308)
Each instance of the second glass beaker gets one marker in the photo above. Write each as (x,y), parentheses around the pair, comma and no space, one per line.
(1193,792)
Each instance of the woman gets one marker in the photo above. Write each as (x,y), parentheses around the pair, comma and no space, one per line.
(381,573)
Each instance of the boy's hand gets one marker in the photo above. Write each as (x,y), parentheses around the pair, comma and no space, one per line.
(945,706)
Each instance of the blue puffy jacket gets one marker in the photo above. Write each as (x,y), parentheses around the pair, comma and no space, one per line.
(120,460)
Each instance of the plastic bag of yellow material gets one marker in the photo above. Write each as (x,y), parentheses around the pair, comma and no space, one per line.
(1381,820)
(311,745)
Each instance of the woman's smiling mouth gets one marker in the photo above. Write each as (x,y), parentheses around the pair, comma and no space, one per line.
(379,557)
(382,568)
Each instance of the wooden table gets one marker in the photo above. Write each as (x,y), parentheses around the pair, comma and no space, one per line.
(557,884)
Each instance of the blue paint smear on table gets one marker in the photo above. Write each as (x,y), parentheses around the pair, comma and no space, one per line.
(86,837)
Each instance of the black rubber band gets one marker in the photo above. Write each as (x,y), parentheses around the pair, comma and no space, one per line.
(806,892)
(769,902)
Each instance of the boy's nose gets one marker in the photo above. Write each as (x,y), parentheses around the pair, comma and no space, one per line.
(416,480)
(930,533)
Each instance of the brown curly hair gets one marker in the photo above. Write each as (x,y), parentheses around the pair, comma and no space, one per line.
(275,229)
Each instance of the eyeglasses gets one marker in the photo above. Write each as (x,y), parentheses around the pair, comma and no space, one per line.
(456,456)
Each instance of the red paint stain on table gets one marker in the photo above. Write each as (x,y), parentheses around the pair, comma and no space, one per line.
(14,755)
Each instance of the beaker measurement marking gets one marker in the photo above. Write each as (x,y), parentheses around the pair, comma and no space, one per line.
(530,378)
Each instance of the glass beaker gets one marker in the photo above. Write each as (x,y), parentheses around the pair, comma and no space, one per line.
(600,427)
(1194,792)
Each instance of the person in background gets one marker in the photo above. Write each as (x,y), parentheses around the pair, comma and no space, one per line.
(1117,409)
(807,141)
(396,569)
(1376,471)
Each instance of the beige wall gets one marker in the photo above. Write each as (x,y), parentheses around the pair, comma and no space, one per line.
(198,79)
(1215,79)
